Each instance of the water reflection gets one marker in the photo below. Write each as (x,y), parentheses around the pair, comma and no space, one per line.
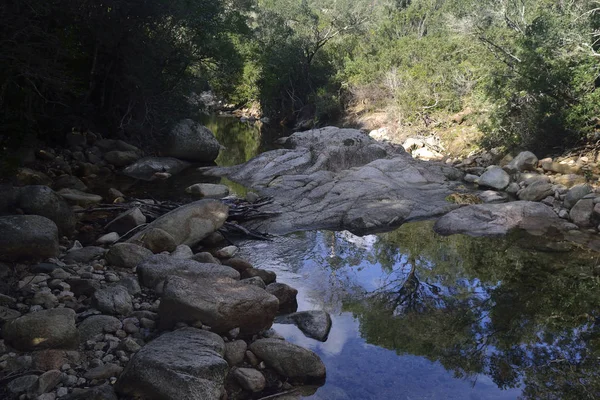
(417,316)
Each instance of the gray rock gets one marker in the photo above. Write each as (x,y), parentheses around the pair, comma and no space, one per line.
(208,190)
(470,178)
(146,168)
(524,161)
(342,179)
(492,197)
(103,371)
(126,221)
(205,257)
(83,287)
(314,324)
(183,252)
(500,219)
(267,276)
(48,381)
(250,379)
(291,361)
(186,364)
(121,158)
(127,255)
(131,284)
(155,269)
(582,213)
(235,352)
(238,264)
(227,252)
(569,180)
(495,178)
(27,237)
(7,314)
(577,193)
(191,223)
(22,384)
(79,198)
(549,165)
(189,140)
(97,324)
(256,281)
(114,300)
(42,330)
(286,296)
(222,304)
(69,182)
(84,255)
(103,392)
(108,239)
(41,200)
(536,191)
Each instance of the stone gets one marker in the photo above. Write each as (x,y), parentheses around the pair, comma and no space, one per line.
(314,324)
(495,178)
(576,193)
(79,198)
(96,325)
(155,270)
(582,212)
(130,345)
(267,276)
(147,168)
(256,281)
(49,359)
(492,197)
(69,182)
(536,191)
(208,190)
(286,296)
(27,237)
(131,284)
(43,201)
(48,381)
(22,384)
(569,180)
(108,239)
(127,255)
(186,364)
(102,392)
(252,197)
(341,179)
(156,240)
(103,371)
(126,221)
(191,223)
(189,140)
(471,178)
(121,158)
(46,299)
(206,257)
(238,264)
(223,304)
(7,314)
(500,219)
(289,360)
(235,352)
(227,252)
(43,329)
(84,255)
(183,252)
(28,176)
(83,287)
(250,379)
(114,300)
(549,165)
(524,161)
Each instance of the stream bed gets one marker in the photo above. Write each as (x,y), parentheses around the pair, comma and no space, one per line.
(419,316)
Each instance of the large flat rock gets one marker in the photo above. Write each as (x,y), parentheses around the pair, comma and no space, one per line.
(341,179)
(186,364)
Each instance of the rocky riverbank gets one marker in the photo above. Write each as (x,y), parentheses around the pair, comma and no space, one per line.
(155,305)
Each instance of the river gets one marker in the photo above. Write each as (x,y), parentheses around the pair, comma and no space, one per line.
(419,316)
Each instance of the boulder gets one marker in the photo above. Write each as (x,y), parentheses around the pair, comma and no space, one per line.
(96,325)
(84,255)
(238,264)
(314,324)
(223,304)
(121,158)
(27,237)
(155,269)
(250,379)
(500,219)
(549,165)
(495,178)
(186,364)
(183,252)
(582,212)
(191,223)
(114,300)
(126,221)
(235,352)
(79,198)
(41,200)
(146,168)
(191,141)
(267,276)
(537,191)
(208,190)
(127,255)
(290,361)
(577,193)
(42,330)
(286,296)
(156,240)
(524,161)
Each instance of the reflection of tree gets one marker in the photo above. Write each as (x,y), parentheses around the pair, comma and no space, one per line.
(487,306)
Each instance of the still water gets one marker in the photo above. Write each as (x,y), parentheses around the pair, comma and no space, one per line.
(418,316)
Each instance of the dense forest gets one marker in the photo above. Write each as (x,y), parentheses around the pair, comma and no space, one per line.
(523,72)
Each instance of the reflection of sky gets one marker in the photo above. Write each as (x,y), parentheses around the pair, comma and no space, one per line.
(356,370)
